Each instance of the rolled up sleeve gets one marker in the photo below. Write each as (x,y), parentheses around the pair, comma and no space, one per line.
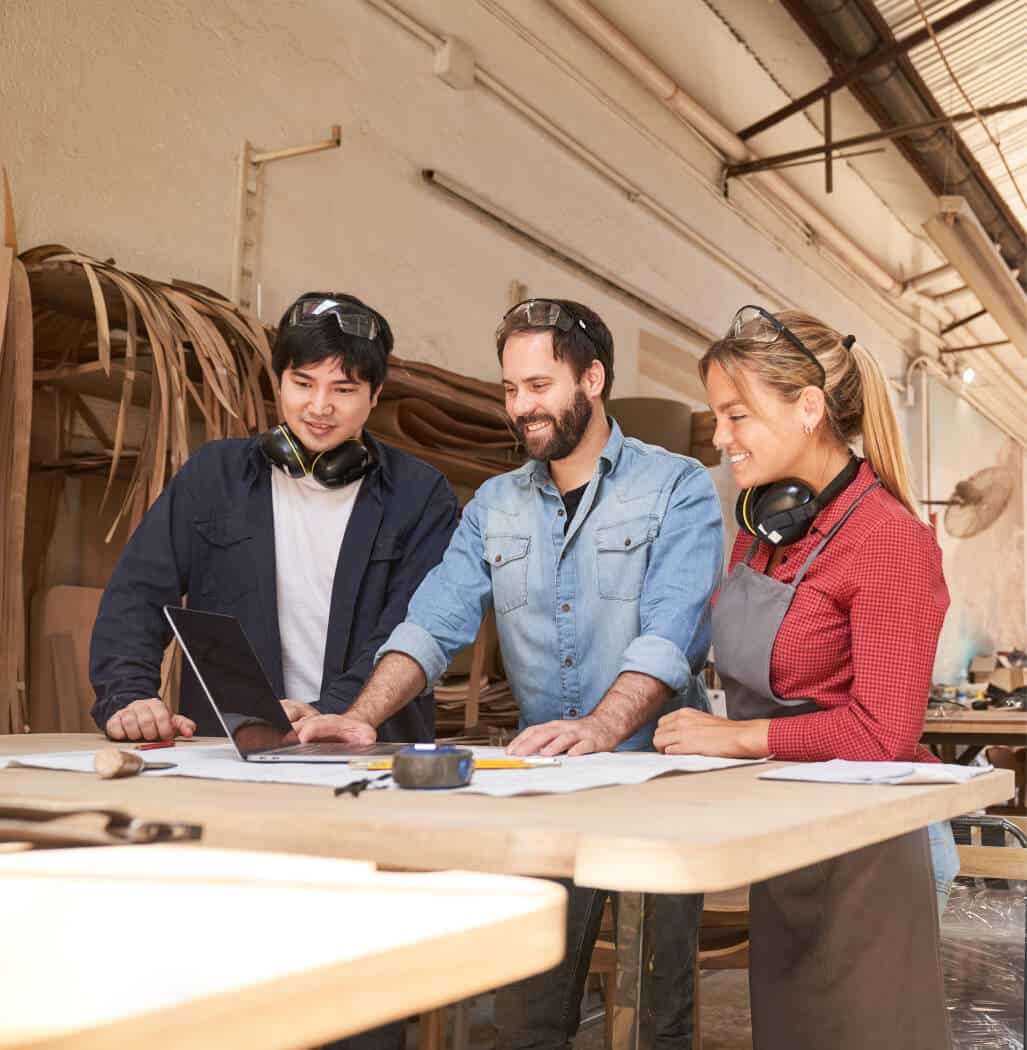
(684,570)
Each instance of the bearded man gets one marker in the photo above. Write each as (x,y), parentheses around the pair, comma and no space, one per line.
(600,556)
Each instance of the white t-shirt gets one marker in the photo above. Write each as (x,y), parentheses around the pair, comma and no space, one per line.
(310,523)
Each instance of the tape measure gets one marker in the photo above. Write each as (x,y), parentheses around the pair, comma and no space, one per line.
(428,766)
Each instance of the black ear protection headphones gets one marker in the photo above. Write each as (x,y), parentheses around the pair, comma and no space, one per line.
(333,468)
(782,512)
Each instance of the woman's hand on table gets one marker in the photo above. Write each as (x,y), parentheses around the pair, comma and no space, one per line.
(690,732)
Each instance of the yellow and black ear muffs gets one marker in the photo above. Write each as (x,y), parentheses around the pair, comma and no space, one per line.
(333,468)
(782,512)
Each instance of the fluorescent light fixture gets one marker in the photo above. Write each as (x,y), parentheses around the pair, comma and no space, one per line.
(968,375)
(966,244)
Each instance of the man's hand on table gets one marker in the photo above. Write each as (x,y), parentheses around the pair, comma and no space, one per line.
(690,732)
(580,736)
(148,719)
(345,729)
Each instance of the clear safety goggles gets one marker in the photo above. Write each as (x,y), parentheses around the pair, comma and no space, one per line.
(761,326)
(351,319)
(538,313)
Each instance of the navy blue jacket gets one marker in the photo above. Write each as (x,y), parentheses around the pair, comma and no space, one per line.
(210,535)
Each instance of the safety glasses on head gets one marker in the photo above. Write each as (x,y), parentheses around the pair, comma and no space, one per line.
(761,326)
(538,313)
(351,319)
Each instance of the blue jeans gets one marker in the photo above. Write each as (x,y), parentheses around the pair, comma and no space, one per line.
(944,859)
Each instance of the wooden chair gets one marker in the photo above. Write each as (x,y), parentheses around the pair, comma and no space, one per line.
(723,941)
(992,862)
(1014,758)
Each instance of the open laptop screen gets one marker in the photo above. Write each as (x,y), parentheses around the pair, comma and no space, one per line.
(233,679)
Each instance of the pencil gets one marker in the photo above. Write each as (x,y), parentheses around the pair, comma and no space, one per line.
(487,763)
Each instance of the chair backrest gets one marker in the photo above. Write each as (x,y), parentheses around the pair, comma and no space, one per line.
(993,862)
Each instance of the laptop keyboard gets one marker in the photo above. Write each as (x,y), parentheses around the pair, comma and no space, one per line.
(317,749)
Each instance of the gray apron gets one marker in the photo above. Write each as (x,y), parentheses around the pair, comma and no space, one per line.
(844,954)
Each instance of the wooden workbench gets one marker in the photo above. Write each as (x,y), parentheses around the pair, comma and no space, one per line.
(975,729)
(175,947)
(680,833)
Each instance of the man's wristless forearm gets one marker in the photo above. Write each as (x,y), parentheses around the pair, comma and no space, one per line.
(396,680)
(633,700)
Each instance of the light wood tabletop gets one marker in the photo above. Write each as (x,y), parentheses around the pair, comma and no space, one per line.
(678,833)
(173,946)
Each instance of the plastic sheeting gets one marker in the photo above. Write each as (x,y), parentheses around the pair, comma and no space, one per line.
(983,960)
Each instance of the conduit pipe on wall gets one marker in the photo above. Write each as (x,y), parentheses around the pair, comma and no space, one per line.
(564,254)
(607,36)
(927,364)
(566,141)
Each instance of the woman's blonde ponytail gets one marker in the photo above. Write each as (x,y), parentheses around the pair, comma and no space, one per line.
(882,439)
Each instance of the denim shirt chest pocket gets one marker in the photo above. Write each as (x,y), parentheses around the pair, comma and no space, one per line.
(507,558)
(226,566)
(622,557)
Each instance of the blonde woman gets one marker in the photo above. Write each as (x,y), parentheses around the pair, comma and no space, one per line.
(824,634)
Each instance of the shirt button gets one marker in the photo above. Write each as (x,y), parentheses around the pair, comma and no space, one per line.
(573,712)
(499,558)
(568,662)
(566,607)
(627,542)
(559,513)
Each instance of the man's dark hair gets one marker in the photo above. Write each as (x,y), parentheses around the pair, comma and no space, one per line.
(360,359)
(587,340)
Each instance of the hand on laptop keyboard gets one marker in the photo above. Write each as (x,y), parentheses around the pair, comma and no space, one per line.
(297,709)
(344,728)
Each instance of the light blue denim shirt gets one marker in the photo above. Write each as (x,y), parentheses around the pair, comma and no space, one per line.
(626,589)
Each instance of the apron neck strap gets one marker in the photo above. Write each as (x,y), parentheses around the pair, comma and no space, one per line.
(830,535)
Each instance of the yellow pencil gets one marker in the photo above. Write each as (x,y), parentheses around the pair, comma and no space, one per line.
(486,763)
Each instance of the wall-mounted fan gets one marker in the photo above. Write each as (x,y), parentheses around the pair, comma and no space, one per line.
(977,501)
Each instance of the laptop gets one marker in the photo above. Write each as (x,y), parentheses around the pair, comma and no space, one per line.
(241,694)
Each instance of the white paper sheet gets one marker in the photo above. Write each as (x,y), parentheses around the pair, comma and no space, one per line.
(839,771)
(220,762)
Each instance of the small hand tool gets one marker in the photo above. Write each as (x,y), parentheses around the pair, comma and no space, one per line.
(111,764)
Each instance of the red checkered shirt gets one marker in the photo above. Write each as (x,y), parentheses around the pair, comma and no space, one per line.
(861,633)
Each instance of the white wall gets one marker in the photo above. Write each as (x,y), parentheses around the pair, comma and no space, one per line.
(120,125)
(985,572)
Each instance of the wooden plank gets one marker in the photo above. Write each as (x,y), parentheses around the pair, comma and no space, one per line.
(59,689)
(15,436)
(993,862)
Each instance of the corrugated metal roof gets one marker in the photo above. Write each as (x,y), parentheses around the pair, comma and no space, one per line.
(988,55)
